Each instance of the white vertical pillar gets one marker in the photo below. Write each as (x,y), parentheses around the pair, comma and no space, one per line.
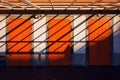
(39,47)
(116,41)
(79,56)
(2,32)
(79,34)
(116,35)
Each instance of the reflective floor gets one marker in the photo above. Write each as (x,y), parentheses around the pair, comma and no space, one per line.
(45,60)
(37,67)
(41,60)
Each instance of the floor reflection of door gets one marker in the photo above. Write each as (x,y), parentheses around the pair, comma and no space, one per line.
(59,42)
(19,59)
(99,42)
(19,51)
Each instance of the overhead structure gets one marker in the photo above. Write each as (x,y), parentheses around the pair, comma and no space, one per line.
(59,4)
(10,5)
(29,3)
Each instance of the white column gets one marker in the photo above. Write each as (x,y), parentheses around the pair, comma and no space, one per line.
(116,41)
(79,34)
(39,47)
(2,32)
(116,35)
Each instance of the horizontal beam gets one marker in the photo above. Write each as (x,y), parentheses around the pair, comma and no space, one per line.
(59,11)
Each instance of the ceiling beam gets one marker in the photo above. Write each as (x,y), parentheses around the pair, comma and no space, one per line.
(92,3)
(51,4)
(63,1)
(30,4)
(108,5)
(70,4)
(11,4)
(60,11)
(112,4)
(113,7)
(7,7)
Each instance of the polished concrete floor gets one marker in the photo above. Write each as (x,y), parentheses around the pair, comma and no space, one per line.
(60,73)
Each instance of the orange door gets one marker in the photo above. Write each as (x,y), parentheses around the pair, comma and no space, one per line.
(59,42)
(99,42)
(21,49)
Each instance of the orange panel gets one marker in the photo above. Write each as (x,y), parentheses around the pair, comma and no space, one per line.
(60,42)
(22,34)
(17,45)
(99,45)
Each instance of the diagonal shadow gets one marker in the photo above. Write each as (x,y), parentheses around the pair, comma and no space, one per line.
(98,27)
(19,26)
(5,17)
(52,26)
(107,30)
(81,32)
(23,31)
(58,30)
(91,32)
(89,25)
(73,29)
(35,31)
(9,24)
(43,32)
(105,42)
(103,33)
(67,32)
(63,27)
(27,28)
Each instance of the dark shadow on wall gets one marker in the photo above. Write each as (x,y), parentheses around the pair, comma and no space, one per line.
(60,58)
(100,53)
(101,50)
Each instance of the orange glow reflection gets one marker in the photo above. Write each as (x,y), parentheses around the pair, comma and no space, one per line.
(19,59)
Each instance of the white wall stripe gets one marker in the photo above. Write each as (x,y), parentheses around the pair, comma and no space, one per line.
(116,35)
(42,46)
(80,48)
(2,32)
